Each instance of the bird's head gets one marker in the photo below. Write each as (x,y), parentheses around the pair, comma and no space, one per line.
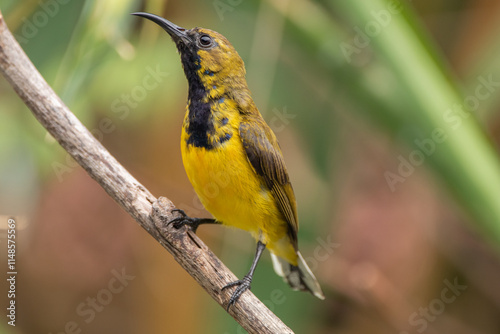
(206,55)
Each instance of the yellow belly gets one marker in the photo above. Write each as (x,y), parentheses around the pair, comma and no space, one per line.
(231,191)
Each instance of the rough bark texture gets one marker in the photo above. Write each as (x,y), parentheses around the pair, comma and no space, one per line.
(151,213)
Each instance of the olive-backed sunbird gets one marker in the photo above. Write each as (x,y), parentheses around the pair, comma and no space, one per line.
(232,157)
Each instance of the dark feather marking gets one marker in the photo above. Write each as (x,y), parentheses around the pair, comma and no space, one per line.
(199,112)
(225,138)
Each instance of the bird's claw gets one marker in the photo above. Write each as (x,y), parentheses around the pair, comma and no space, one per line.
(183,220)
(243,285)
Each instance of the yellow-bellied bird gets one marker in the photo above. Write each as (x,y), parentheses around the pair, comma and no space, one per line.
(224,135)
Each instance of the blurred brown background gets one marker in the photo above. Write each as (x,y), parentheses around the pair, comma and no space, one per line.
(414,258)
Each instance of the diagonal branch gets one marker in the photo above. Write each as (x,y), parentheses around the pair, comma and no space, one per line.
(187,249)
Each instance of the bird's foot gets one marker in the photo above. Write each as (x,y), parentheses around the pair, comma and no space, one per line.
(242,286)
(185,220)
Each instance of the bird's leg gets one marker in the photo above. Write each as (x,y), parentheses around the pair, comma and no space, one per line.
(244,284)
(193,223)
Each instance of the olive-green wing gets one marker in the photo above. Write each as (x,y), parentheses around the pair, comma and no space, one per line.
(264,154)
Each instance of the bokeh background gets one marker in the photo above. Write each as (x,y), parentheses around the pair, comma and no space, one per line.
(388,116)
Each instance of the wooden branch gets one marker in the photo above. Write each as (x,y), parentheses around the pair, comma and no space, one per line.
(187,249)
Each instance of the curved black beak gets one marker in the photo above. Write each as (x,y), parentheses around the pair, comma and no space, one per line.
(177,33)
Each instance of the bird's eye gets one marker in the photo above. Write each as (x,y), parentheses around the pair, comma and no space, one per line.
(205,41)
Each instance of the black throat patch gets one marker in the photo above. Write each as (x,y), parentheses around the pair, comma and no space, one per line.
(200,120)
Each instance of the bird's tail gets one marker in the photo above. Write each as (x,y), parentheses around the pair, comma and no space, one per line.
(298,277)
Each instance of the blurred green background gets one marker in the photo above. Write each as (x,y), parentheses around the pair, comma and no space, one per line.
(386,112)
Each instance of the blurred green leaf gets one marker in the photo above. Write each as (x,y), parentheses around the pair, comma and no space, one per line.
(405,90)
(465,160)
